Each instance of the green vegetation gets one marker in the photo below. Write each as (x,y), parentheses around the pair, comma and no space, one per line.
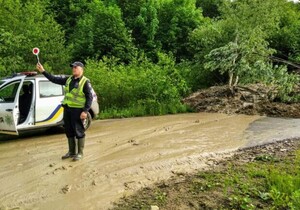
(143,56)
(23,26)
(139,88)
(269,182)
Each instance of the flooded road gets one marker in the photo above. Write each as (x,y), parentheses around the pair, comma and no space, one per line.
(122,156)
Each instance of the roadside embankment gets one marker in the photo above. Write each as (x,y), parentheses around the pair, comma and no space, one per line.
(254,99)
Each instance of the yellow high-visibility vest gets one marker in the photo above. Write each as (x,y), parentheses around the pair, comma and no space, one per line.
(75,98)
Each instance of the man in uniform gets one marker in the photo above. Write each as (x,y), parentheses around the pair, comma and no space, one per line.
(77,102)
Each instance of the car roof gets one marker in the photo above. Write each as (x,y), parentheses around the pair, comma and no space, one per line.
(27,75)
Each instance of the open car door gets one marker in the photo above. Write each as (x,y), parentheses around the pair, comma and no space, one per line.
(9,110)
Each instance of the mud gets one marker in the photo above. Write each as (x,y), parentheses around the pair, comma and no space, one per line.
(122,156)
(256,99)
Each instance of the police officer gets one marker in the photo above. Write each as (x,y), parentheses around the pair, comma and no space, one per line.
(77,102)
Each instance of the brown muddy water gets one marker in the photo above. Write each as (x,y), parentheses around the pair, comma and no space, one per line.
(122,156)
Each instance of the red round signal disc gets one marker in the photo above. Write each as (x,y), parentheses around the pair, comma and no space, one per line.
(36,51)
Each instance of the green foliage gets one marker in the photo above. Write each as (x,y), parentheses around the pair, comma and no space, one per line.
(210,7)
(295,200)
(130,10)
(24,26)
(240,202)
(102,32)
(144,108)
(161,197)
(139,88)
(177,19)
(9,59)
(240,15)
(237,45)
(161,25)
(145,29)
(285,39)
(211,42)
(285,83)
(284,189)
(141,19)
(264,158)
(284,186)
(272,180)
(66,13)
(207,37)
(242,60)
(237,21)
(228,59)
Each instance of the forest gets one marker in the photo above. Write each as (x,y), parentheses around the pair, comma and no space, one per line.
(144,56)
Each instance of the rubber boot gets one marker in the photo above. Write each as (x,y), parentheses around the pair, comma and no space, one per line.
(79,155)
(72,152)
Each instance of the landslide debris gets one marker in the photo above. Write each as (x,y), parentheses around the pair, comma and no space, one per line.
(256,99)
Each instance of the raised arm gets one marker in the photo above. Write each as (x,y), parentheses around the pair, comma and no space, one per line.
(55,79)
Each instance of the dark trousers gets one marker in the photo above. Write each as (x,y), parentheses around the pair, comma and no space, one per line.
(73,123)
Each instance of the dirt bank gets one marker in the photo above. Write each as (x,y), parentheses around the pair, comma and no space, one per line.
(251,100)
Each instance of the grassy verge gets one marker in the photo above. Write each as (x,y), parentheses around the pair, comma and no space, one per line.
(265,177)
(139,110)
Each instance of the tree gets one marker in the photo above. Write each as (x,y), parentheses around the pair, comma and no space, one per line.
(25,26)
(177,19)
(130,10)
(10,61)
(238,43)
(239,59)
(145,29)
(286,38)
(210,8)
(66,13)
(102,32)
(141,19)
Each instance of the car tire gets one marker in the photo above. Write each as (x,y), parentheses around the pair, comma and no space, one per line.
(87,122)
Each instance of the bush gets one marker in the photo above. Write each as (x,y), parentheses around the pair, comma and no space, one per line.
(139,88)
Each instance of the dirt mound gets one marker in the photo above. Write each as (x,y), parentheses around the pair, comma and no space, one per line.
(251,100)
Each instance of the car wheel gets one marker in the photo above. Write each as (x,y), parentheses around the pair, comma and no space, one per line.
(87,122)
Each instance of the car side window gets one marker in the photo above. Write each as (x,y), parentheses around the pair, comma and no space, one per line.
(49,89)
(8,93)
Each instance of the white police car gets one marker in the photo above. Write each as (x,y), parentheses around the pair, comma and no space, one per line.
(29,101)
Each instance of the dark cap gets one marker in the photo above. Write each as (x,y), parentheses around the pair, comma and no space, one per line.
(77,63)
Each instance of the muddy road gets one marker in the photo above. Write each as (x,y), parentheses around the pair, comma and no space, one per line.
(124,155)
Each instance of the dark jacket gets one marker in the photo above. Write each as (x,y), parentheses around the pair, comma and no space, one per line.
(87,88)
